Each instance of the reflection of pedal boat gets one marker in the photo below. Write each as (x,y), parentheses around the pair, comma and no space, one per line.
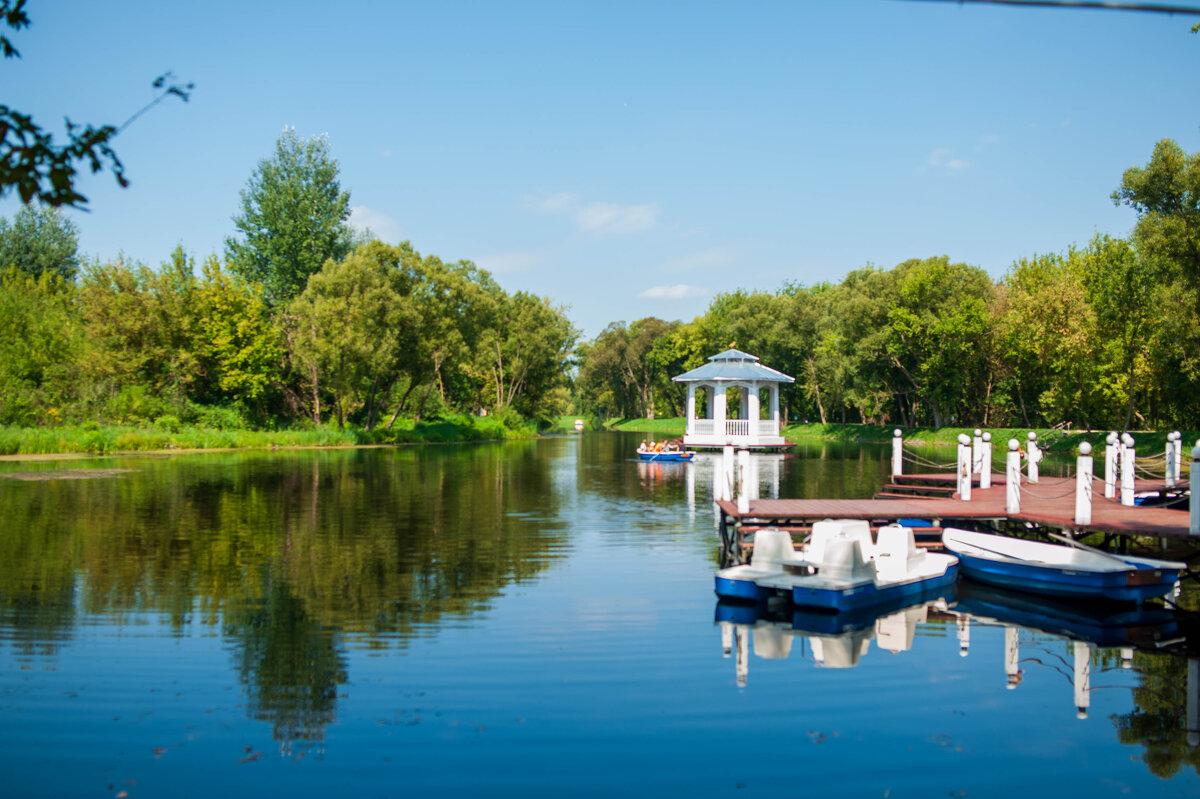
(836,641)
(840,569)
(1055,570)
(665,457)
(1103,625)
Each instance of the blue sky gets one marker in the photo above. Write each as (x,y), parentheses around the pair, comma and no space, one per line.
(628,159)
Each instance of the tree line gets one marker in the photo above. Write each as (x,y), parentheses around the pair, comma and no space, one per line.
(1101,336)
(303,319)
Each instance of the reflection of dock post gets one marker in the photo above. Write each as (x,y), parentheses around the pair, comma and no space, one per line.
(985,473)
(1012,478)
(1127,657)
(964,635)
(725,481)
(1083,679)
(1083,485)
(742,666)
(1193,702)
(964,467)
(897,453)
(1110,465)
(726,638)
(1012,657)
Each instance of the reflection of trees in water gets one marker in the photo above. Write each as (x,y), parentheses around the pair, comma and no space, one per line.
(291,665)
(1157,720)
(373,543)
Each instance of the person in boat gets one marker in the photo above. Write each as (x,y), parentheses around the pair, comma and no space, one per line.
(644,446)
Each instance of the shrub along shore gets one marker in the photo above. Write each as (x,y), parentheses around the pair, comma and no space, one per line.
(97,439)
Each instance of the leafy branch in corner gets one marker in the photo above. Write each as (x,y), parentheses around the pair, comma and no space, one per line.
(30,161)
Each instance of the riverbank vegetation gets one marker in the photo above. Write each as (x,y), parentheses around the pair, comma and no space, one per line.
(307,332)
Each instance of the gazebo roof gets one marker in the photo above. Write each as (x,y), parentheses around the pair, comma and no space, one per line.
(733,366)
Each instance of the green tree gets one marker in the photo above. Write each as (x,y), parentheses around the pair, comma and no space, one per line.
(40,239)
(1166,195)
(41,348)
(293,218)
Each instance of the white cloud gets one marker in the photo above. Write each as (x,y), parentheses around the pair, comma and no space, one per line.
(364,218)
(680,291)
(507,262)
(613,218)
(945,159)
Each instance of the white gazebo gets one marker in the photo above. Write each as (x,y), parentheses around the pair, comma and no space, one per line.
(724,402)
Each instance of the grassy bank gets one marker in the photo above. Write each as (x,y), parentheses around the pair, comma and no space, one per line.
(99,440)
(1054,440)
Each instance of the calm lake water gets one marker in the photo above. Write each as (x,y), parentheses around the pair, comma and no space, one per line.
(532,618)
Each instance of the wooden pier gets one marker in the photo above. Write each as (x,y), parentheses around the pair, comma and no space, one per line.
(1049,503)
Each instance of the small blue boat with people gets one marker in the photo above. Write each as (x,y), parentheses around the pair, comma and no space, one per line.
(663,452)
(1073,572)
(840,568)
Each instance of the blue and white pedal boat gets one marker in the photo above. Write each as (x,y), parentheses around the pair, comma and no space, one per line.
(840,569)
(1063,571)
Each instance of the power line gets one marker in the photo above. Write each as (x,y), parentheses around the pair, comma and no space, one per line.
(1156,8)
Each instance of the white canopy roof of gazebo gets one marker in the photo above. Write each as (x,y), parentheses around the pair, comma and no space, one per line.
(733,366)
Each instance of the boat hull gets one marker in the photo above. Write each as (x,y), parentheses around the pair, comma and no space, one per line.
(743,589)
(1057,571)
(869,594)
(665,457)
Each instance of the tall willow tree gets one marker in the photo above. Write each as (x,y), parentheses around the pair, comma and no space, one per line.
(293,218)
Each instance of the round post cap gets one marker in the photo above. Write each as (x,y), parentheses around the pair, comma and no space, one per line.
(963,438)
(978,432)
(1032,436)
(1085,448)
(1014,445)
(1127,440)
(896,432)
(987,436)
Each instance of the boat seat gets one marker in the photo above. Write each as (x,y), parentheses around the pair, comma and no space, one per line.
(897,552)
(844,560)
(825,531)
(771,548)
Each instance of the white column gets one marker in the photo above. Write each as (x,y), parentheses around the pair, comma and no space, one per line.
(691,410)
(1193,499)
(719,411)
(743,479)
(1012,657)
(977,452)
(1083,485)
(1110,465)
(752,411)
(964,467)
(1035,457)
(897,453)
(985,471)
(1083,678)
(1012,478)
(1128,463)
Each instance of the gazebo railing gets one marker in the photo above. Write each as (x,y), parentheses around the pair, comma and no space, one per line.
(737,427)
(704,427)
(768,427)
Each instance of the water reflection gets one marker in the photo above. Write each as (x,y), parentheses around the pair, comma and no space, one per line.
(291,555)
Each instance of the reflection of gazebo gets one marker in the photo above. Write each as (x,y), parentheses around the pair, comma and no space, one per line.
(725,403)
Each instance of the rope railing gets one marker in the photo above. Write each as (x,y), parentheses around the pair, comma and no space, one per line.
(918,460)
(1025,490)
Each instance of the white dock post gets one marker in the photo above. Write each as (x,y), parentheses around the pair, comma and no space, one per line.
(985,469)
(1083,485)
(897,453)
(1110,465)
(977,452)
(743,481)
(1193,500)
(1128,461)
(964,467)
(1172,469)
(1035,457)
(1012,657)
(1083,679)
(1012,503)
(1178,455)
